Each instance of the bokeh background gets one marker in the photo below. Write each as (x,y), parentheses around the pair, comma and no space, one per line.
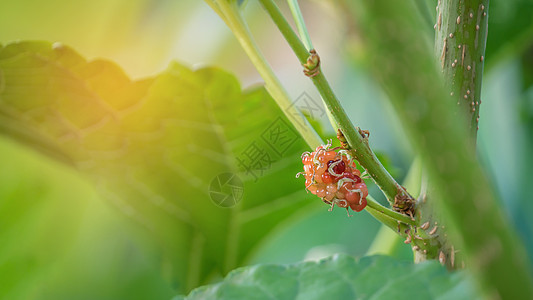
(59,238)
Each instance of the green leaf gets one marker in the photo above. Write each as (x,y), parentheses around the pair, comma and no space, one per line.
(27,202)
(510,30)
(340,277)
(153,147)
(52,248)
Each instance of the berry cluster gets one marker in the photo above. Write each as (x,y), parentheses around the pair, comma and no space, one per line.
(333,176)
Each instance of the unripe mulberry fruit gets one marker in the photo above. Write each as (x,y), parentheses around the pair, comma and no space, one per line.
(333,176)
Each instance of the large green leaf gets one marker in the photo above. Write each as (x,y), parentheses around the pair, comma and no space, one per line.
(340,277)
(52,247)
(153,147)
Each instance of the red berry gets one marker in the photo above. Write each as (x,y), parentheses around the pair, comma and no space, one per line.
(352,176)
(327,178)
(321,169)
(346,187)
(362,186)
(321,192)
(318,178)
(358,206)
(352,197)
(307,159)
(332,188)
(329,196)
(339,167)
(327,156)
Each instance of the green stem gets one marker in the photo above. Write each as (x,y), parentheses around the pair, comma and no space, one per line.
(460,40)
(231,15)
(215,8)
(387,216)
(300,23)
(362,152)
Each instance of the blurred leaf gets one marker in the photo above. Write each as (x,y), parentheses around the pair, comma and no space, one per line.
(33,202)
(510,30)
(525,115)
(425,9)
(120,30)
(340,277)
(242,2)
(153,148)
(52,248)
(506,145)
(386,161)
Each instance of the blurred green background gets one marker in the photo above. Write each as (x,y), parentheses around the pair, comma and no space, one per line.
(59,239)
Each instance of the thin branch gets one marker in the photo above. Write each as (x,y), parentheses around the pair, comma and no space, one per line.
(300,23)
(215,8)
(361,151)
(380,212)
(235,22)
